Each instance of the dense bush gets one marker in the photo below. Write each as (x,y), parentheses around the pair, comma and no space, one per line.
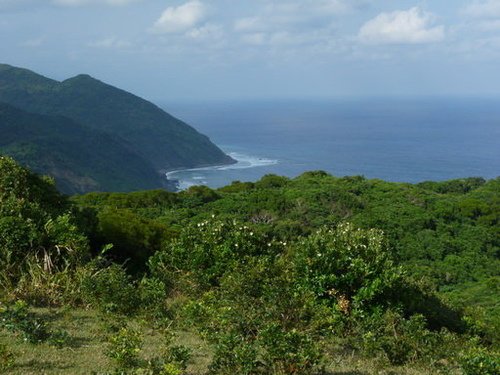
(124,348)
(480,361)
(271,274)
(208,249)
(347,266)
(36,226)
(134,238)
(110,289)
(401,340)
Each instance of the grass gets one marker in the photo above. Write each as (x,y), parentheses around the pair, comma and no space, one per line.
(85,350)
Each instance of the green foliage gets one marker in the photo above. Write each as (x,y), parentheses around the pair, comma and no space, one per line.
(276,335)
(166,369)
(38,235)
(18,319)
(134,238)
(271,181)
(401,340)
(234,354)
(273,275)
(348,266)
(152,293)
(110,289)
(460,186)
(479,361)
(289,351)
(79,158)
(124,348)
(198,195)
(178,355)
(84,131)
(174,359)
(208,249)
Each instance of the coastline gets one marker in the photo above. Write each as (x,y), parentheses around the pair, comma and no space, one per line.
(241,161)
(174,183)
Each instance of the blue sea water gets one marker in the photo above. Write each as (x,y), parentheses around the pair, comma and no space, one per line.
(405,140)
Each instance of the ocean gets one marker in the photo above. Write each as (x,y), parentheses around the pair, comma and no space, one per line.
(403,140)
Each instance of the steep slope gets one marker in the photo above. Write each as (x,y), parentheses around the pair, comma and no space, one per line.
(165,141)
(80,159)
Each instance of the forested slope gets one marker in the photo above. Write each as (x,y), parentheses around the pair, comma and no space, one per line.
(310,275)
(135,128)
(79,158)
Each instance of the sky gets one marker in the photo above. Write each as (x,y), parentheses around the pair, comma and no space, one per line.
(259,49)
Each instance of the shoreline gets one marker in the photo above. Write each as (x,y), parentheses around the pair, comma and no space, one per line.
(176,182)
(241,161)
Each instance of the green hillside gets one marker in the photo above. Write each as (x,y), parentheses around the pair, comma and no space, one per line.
(79,158)
(315,275)
(164,141)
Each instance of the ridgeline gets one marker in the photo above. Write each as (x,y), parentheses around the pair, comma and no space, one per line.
(100,128)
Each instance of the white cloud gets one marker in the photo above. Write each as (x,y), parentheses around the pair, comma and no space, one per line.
(255,39)
(483,9)
(248,24)
(208,31)
(312,7)
(293,23)
(181,18)
(111,42)
(412,26)
(305,14)
(489,25)
(87,2)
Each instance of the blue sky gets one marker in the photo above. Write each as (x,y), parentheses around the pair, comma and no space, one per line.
(220,49)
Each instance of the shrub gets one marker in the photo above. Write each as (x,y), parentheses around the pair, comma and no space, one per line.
(234,354)
(110,289)
(124,347)
(347,267)
(208,249)
(35,225)
(18,319)
(135,238)
(288,352)
(401,340)
(480,361)
(173,361)
(178,355)
(152,294)
(258,321)
(270,181)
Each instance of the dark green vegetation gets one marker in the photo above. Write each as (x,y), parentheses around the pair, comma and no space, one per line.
(312,275)
(92,136)
(79,158)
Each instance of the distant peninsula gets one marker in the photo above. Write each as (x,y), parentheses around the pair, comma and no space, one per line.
(91,136)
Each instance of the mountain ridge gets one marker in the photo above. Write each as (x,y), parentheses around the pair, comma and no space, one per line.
(72,153)
(162,140)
